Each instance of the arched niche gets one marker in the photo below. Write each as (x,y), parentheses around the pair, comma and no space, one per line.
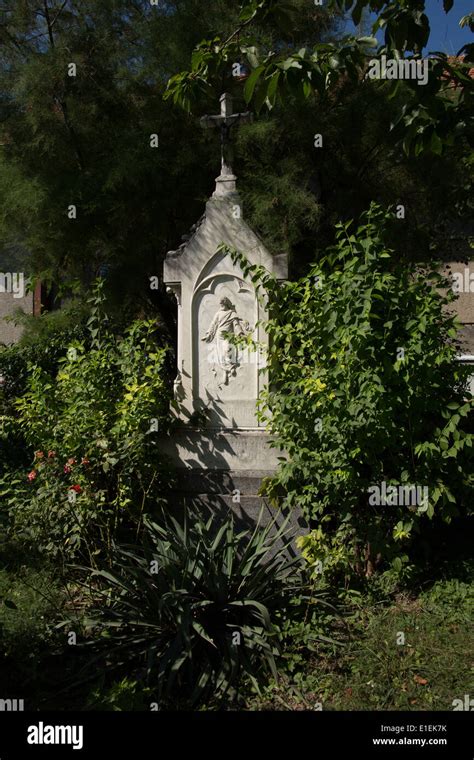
(225,379)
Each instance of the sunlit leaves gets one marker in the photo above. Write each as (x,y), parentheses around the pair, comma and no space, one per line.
(433,115)
(345,398)
(404,22)
(467,21)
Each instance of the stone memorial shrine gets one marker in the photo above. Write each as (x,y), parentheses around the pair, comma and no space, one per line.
(219,445)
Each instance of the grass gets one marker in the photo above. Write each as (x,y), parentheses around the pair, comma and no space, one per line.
(29,601)
(374,670)
(390,650)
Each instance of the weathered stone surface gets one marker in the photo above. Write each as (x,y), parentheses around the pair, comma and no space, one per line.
(221,449)
(222,492)
(461,273)
(247,512)
(216,380)
(9,332)
(224,482)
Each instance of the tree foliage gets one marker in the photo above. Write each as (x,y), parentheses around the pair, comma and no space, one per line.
(432,116)
(84,140)
(366,389)
(93,426)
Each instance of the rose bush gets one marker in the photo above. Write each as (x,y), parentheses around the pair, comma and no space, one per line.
(98,419)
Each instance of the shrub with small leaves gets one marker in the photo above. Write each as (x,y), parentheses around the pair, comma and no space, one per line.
(93,426)
(367,393)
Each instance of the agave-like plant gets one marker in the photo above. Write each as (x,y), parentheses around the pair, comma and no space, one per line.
(191,607)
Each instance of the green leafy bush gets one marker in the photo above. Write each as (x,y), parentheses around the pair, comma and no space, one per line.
(366,394)
(43,344)
(14,451)
(124,695)
(93,426)
(192,609)
(30,602)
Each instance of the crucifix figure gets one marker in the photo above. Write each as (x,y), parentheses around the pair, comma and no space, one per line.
(226,120)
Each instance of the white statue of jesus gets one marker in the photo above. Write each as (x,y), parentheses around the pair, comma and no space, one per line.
(225,324)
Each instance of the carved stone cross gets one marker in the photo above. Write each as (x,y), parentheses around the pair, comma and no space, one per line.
(225,121)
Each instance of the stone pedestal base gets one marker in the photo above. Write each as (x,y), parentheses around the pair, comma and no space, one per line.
(208,449)
(222,470)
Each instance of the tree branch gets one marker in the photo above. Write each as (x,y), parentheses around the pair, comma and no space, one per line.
(59,100)
(48,22)
(237,32)
(11,39)
(58,13)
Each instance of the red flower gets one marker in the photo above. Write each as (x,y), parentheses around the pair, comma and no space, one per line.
(32,475)
(51,454)
(71,461)
(39,454)
(67,469)
(76,488)
(85,462)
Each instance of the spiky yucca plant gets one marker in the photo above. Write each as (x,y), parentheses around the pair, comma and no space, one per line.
(191,607)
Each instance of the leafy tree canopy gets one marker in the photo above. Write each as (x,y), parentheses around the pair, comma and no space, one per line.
(84,140)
